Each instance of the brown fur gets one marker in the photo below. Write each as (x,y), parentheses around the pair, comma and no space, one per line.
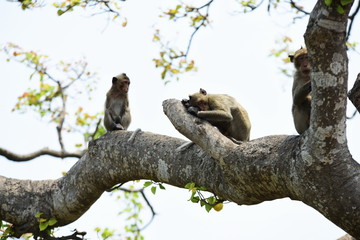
(117,111)
(301,91)
(224,112)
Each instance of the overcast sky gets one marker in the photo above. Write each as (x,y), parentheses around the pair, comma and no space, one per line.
(232,56)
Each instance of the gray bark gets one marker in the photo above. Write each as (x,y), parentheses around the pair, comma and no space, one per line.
(263,169)
(315,168)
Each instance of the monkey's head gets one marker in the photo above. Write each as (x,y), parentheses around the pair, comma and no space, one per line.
(301,61)
(199,100)
(121,83)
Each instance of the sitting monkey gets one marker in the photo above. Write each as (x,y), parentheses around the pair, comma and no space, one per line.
(301,90)
(223,112)
(117,112)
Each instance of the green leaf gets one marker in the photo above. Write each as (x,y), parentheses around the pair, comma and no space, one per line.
(162,186)
(153,190)
(328,2)
(43,225)
(340,9)
(60,12)
(38,214)
(208,207)
(211,200)
(195,199)
(346,2)
(190,185)
(148,183)
(52,221)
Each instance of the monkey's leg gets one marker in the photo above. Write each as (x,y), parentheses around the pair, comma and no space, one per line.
(132,137)
(184,146)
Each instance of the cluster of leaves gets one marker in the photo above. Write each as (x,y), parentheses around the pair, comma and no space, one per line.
(132,210)
(105,233)
(154,186)
(50,94)
(212,202)
(339,7)
(133,196)
(249,6)
(6,231)
(28,4)
(46,224)
(107,6)
(172,62)
(86,123)
(282,52)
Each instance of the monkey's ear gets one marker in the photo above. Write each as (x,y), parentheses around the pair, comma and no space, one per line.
(190,97)
(291,58)
(114,80)
(202,91)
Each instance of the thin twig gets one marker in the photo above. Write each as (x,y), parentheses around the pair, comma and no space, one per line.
(45,151)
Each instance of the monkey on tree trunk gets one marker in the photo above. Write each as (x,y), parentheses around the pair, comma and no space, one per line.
(301,90)
(117,111)
(223,112)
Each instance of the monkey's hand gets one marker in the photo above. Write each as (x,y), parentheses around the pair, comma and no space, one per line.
(116,126)
(186,103)
(193,110)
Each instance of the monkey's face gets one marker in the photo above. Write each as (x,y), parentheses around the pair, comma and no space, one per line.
(302,64)
(199,100)
(122,83)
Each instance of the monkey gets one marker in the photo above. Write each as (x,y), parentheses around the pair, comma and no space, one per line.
(223,112)
(117,111)
(301,90)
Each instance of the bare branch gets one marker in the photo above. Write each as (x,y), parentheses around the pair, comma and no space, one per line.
(300,9)
(354,93)
(61,117)
(352,18)
(141,191)
(75,236)
(45,151)
(203,23)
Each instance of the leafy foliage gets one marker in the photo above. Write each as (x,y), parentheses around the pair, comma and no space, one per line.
(154,186)
(6,231)
(211,202)
(282,52)
(46,224)
(49,96)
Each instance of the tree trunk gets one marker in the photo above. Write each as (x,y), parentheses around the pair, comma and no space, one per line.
(315,168)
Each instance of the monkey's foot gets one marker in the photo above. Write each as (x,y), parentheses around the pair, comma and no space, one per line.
(117,126)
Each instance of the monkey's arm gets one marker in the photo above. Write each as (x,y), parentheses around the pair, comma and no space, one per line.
(112,122)
(301,93)
(215,115)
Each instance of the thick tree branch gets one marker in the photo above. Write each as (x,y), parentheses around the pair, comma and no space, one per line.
(45,151)
(262,169)
(325,40)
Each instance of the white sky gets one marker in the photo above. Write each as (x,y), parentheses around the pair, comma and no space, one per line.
(233,58)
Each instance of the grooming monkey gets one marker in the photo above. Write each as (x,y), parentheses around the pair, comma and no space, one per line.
(117,111)
(223,112)
(301,90)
